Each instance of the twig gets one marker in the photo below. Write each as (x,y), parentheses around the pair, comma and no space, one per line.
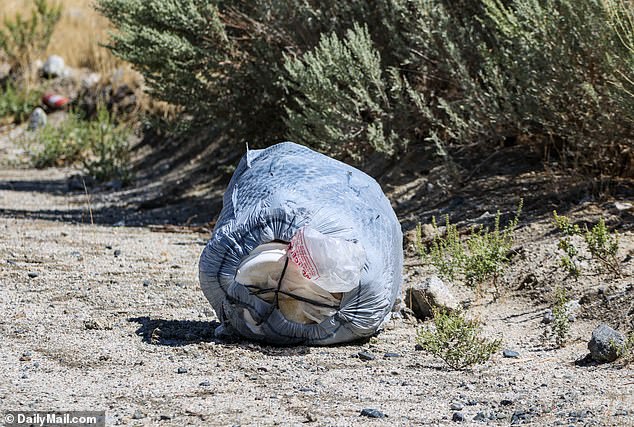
(88,198)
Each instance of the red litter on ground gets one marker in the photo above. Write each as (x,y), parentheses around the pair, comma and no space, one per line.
(55,101)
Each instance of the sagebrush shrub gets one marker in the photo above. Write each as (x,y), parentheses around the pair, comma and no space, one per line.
(365,77)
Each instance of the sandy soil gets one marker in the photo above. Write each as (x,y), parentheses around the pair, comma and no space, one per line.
(106,317)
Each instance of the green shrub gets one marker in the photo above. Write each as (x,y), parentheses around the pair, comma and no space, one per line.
(365,77)
(109,149)
(100,146)
(23,39)
(456,340)
(347,76)
(63,145)
(561,323)
(16,104)
(602,246)
(480,257)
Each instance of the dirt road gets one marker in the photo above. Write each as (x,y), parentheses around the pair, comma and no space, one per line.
(106,317)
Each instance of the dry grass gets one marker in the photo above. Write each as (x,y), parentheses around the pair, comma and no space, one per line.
(77,36)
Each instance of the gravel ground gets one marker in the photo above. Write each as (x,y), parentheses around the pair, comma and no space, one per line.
(98,317)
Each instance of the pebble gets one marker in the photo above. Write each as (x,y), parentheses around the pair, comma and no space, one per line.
(367,356)
(205,383)
(458,417)
(389,355)
(481,416)
(548,317)
(181,370)
(53,66)
(510,353)
(519,416)
(457,406)
(372,413)
(138,415)
(33,274)
(146,283)
(37,119)
(605,343)
(506,402)
(117,253)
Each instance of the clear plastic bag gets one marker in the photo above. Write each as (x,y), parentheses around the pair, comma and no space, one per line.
(299,299)
(332,264)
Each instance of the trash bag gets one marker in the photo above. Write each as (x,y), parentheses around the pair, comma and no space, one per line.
(307,250)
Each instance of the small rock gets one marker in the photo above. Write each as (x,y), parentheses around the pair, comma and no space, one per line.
(146,283)
(418,347)
(457,406)
(366,356)
(519,416)
(37,119)
(205,383)
(431,293)
(26,356)
(77,254)
(33,274)
(53,66)
(165,417)
(90,80)
(480,416)
(98,325)
(372,413)
(506,402)
(181,370)
(620,412)
(605,343)
(391,355)
(548,317)
(510,353)
(138,415)
(117,253)
(458,417)
(622,206)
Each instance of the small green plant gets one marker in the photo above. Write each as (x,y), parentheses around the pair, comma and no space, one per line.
(482,256)
(17,103)
(100,145)
(603,246)
(456,340)
(23,39)
(561,323)
(110,150)
(569,260)
(61,145)
(600,244)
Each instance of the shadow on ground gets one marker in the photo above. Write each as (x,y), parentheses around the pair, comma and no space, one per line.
(175,333)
